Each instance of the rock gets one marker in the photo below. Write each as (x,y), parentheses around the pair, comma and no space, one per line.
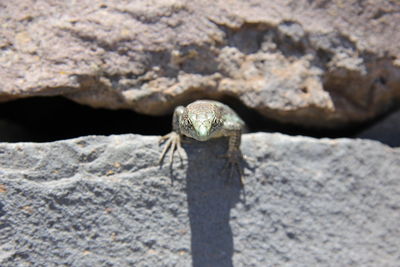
(104,201)
(314,63)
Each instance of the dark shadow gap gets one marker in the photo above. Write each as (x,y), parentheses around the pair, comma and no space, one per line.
(45,119)
(382,133)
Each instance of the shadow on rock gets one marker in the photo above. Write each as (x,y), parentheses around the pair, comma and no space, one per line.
(210,198)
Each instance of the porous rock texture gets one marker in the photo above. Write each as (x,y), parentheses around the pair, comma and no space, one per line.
(309,62)
(105,201)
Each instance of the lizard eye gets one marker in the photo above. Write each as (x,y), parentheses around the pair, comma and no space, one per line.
(189,120)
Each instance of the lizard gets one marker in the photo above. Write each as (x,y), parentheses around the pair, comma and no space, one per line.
(203,120)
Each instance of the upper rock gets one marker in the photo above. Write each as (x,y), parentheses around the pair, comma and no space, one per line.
(320,63)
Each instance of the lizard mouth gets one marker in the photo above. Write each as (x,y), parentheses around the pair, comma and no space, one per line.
(202,133)
(201,138)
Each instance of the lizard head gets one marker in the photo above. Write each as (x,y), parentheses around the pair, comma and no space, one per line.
(204,120)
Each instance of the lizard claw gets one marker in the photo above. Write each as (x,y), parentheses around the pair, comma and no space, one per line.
(234,158)
(173,143)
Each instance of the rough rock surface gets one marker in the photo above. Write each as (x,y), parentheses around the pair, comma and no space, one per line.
(321,63)
(104,201)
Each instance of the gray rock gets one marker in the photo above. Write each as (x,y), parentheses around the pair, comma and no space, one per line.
(308,62)
(104,201)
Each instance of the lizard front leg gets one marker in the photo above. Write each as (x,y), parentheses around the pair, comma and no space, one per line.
(234,155)
(173,138)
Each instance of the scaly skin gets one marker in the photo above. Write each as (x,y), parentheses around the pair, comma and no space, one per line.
(203,120)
